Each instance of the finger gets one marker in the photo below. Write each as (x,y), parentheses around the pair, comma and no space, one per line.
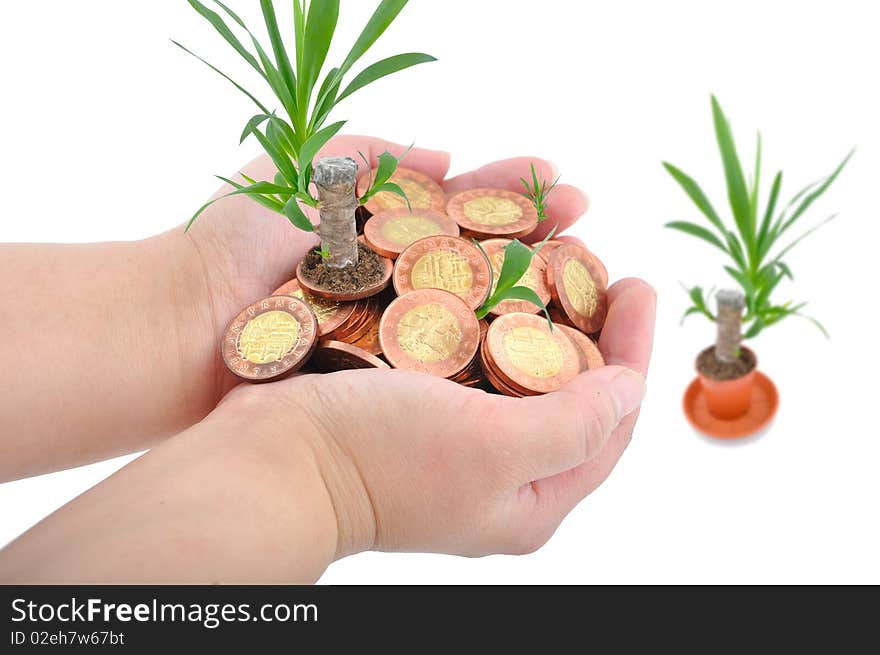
(628,335)
(550,434)
(626,341)
(433,163)
(565,206)
(503,174)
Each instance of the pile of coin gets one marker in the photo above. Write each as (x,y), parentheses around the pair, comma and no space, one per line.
(427,321)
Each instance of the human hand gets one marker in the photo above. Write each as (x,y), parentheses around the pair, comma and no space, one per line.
(247,251)
(413,462)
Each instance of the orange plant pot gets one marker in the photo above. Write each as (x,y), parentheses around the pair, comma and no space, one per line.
(729,399)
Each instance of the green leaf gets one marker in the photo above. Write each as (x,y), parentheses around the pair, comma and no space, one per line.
(385,169)
(737,192)
(699,232)
(258,191)
(814,322)
(736,250)
(515,293)
(768,216)
(384,68)
(281,59)
(297,216)
(756,185)
(517,259)
(326,100)
(224,76)
(272,76)
(812,197)
(311,147)
(224,31)
(279,158)
(690,311)
(755,329)
(791,245)
(696,296)
(252,125)
(384,15)
(319,28)
(695,193)
(391,187)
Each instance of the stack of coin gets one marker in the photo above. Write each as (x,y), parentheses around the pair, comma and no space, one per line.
(472,375)
(522,356)
(332,356)
(427,321)
(535,278)
(421,191)
(430,331)
(331,315)
(452,264)
(490,213)
(390,232)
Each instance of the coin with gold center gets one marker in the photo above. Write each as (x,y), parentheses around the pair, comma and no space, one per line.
(527,356)
(577,287)
(535,278)
(330,314)
(430,331)
(451,264)
(421,191)
(270,339)
(390,232)
(488,213)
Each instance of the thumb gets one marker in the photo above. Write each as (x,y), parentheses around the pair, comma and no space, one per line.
(562,430)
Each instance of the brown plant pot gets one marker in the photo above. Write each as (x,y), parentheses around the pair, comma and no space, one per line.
(729,399)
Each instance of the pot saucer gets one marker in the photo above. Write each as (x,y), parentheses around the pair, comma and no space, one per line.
(762,409)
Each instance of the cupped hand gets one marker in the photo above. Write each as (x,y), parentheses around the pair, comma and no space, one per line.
(417,463)
(246,251)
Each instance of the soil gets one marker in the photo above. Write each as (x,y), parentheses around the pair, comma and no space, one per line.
(369,271)
(710,366)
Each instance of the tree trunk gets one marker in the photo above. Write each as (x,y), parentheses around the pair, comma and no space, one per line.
(336,179)
(730,309)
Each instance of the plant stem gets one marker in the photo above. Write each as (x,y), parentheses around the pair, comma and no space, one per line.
(336,178)
(730,309)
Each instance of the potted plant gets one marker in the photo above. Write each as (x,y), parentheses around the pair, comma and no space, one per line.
(755,245)
(341,268)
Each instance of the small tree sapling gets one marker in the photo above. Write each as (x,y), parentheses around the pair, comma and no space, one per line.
(293,141)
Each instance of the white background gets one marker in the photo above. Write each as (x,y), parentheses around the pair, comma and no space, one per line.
(110,132)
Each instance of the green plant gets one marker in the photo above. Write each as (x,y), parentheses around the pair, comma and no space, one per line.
(293,142)
(517,259)
(538,193)
(753,245)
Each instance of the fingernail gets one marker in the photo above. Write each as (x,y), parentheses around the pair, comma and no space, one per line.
(628,389)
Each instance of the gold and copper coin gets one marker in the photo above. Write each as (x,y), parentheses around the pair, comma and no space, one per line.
(528,356)
(421,191)
(370,340)
(363,317)
(535,278)
(448,263)
(575,282)
(492,376)
(487,213)
(270,339)
(366,292)
(429,331)
(590,356)
(552,245)
(558,316)
(332,356)
(390,232)
(547,249)
(330,314)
